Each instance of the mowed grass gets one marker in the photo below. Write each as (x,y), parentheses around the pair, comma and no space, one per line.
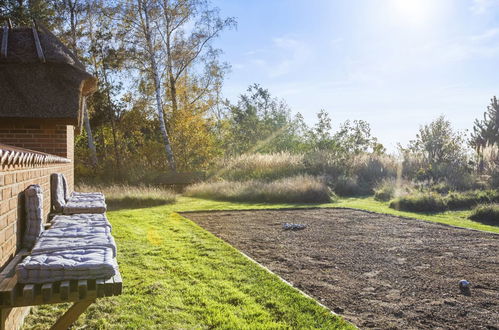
(176,275)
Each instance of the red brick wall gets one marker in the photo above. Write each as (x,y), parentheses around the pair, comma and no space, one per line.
(49,137)
(12,184)
(14,179)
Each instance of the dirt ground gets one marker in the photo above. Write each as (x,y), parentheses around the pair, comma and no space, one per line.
(378,271)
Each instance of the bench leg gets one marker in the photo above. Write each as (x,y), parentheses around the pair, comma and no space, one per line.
(72,314)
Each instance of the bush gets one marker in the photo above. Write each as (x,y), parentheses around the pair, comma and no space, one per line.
(390,188)
(488,213)
(122,196)
(385,191)
(470,199)
(297,189)
(348,186)
(434,202)
(371,169)
(425,202)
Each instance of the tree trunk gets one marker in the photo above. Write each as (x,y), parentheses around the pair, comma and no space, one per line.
(113,122)
(157,88)
(172,86)
(90,139)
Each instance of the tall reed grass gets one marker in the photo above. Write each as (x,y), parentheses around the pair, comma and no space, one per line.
(352,175)
(260,167)
(124,196)
(297,189)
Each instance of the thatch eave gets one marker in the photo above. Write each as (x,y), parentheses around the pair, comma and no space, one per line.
(50,84)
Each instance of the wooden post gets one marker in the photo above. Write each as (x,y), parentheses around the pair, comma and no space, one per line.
(4,314)
(72,314)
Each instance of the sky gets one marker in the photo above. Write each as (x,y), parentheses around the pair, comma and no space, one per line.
(397,64)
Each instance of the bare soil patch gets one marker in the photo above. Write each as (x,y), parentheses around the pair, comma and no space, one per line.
(378,271)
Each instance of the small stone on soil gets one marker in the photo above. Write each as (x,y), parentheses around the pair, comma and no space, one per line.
(338,310)
(293,226)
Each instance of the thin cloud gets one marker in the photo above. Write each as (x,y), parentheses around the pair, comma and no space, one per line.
(480,7)
(294,51)
(488,34)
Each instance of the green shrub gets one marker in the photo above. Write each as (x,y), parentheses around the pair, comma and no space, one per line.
(297,189)
(385,191)
(384,194)
(348,186)
(423,202)
(488,213)
(469,199)
(441,187)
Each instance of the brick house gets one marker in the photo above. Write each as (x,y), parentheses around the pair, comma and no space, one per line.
(43,88)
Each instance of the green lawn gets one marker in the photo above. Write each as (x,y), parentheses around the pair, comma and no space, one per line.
(177,275)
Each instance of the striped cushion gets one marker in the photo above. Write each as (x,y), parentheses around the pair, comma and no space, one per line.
(33,199)
(67,265)
(57,192)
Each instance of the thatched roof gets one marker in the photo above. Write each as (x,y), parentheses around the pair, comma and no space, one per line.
(40,78)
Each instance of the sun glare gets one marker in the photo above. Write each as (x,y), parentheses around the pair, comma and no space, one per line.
(413,12)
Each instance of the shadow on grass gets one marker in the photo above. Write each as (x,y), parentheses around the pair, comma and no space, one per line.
(115,204)
(486,219)
(488,222)
(428,213)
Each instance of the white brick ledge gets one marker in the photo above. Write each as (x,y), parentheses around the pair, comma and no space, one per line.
(10,156)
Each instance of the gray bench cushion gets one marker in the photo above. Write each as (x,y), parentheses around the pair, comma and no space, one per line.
(77,202)
(33,200)
(46,244)
(76,231)
(80,220)
(78,195)
(84,206)
(67,265)
(57,192)
(64,186)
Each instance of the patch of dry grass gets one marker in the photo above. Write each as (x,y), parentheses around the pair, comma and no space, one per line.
(124,196)
(297,189)
(260,167)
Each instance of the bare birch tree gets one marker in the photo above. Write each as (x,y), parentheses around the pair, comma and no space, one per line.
(172,40)
(187,30)
(137,21)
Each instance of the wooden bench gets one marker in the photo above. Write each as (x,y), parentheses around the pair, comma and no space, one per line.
(81,292)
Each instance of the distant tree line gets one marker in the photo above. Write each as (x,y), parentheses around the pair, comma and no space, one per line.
(160,108)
